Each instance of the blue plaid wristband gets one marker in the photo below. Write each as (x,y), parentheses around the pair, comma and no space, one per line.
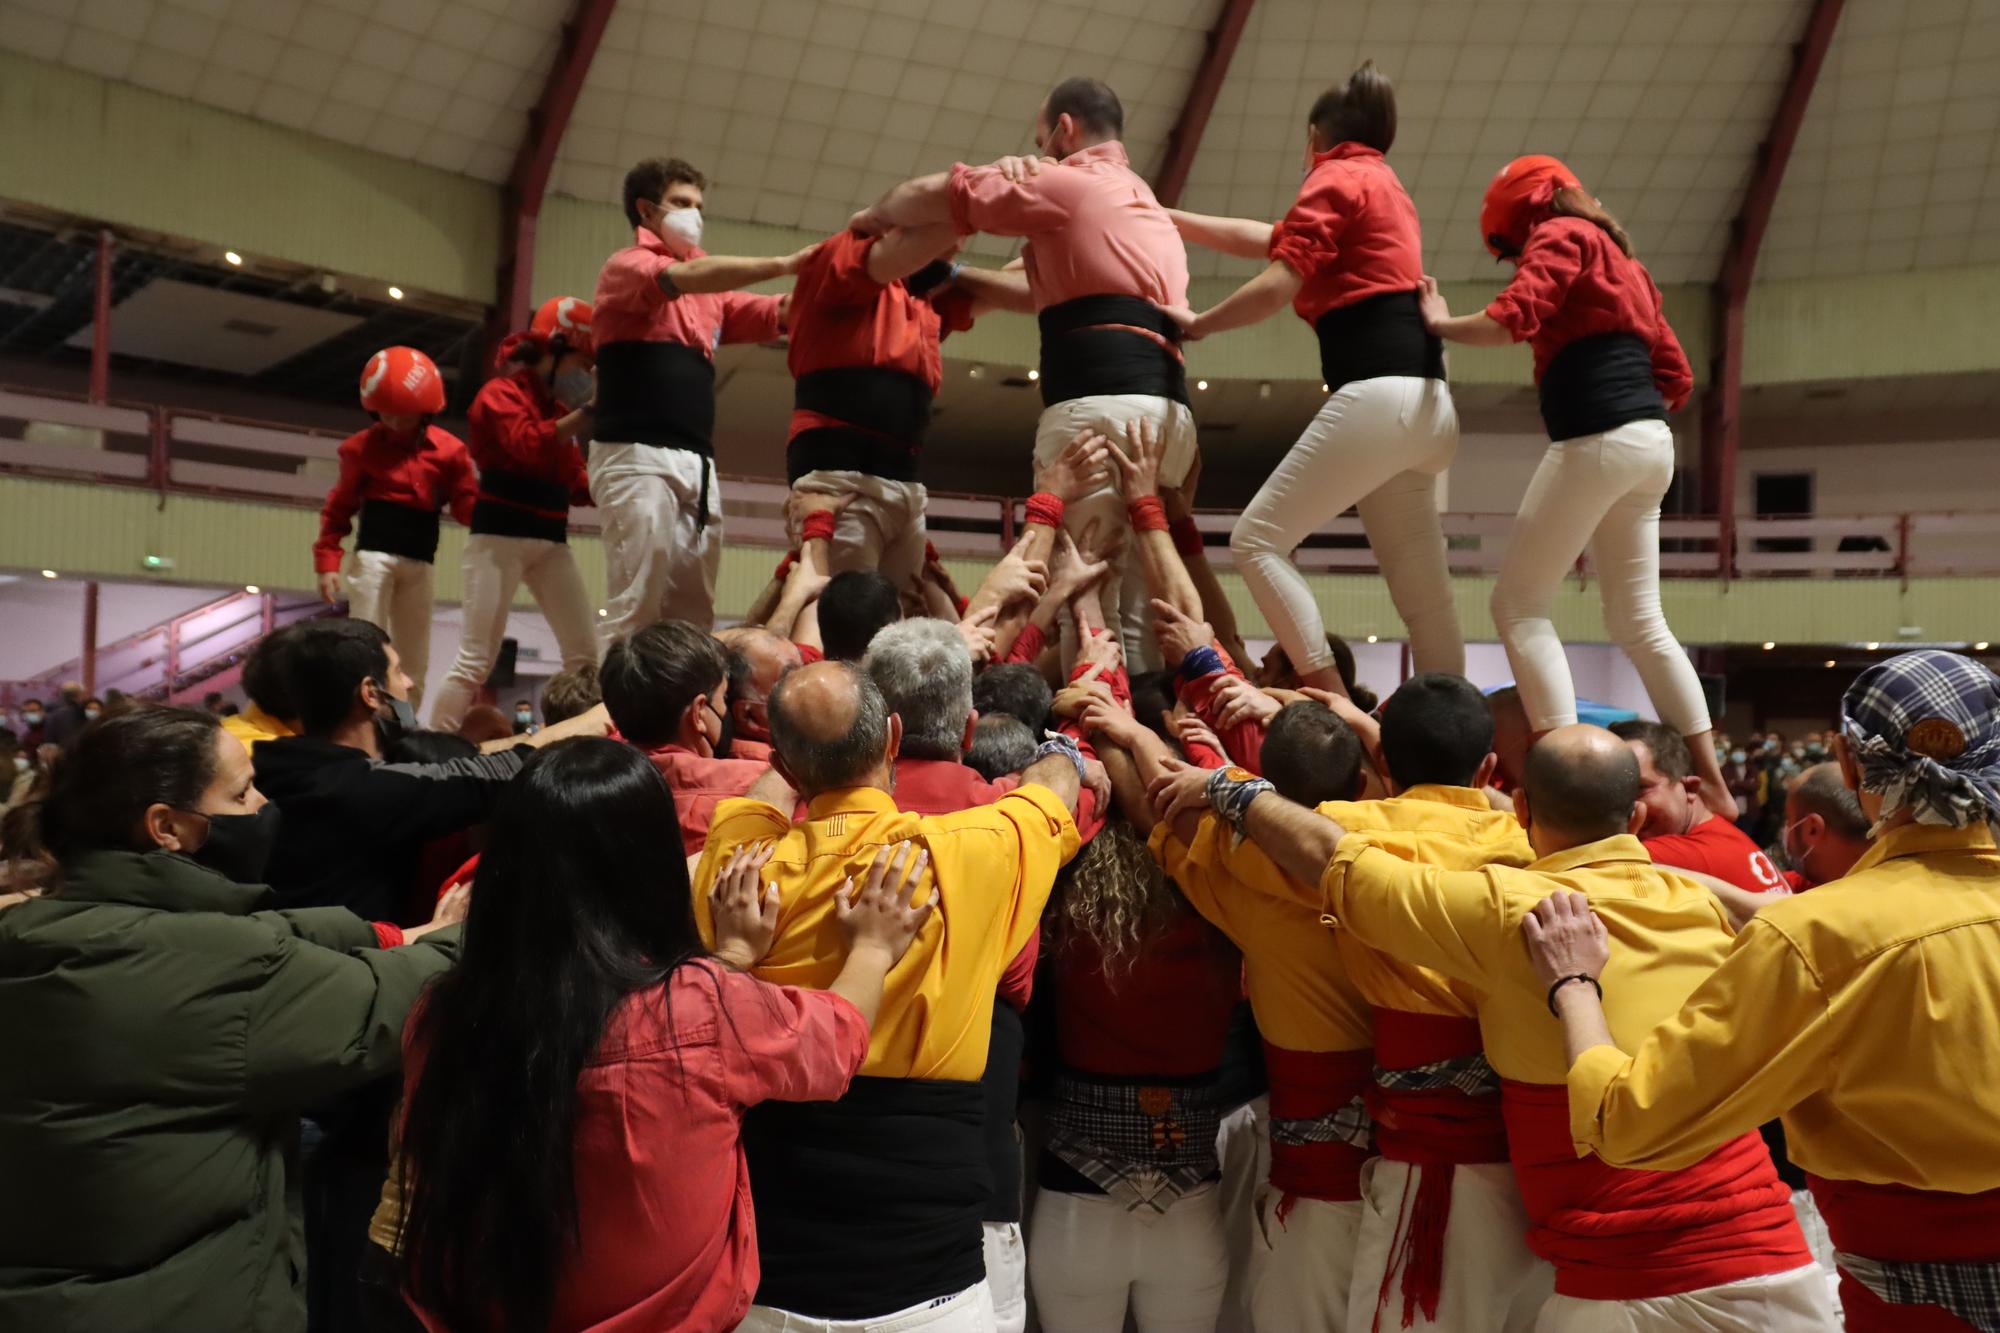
(1203,661)
(1064,745)
(1230,792)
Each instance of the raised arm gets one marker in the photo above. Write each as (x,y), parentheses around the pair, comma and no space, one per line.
(995,289)
(1246,238)
(1193,551)
(1139,478)
(1077,471)
(727,273)
(915,203)
(901,252)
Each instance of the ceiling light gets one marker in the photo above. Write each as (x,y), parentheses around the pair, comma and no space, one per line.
(1873,646)
(1201,384)
(1264,389)
(48,573)
(602,612)
(395,293)
(1769,646)
(1372,639)
(1034,375)
(252,589)
(1829,663)
(1979,647)
(976,371)
(1322,388)
(232,256)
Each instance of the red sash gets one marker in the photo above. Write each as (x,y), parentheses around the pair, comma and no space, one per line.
(1895,1222)
(1616,1233)
(1306,1085)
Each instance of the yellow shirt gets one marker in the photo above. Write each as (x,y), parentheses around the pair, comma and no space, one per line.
(993,866)
(1667,935)
(253,724)
(1865,1011)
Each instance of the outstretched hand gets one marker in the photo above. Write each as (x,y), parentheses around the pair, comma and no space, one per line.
(1140,462)
(1178,632)
(1081,468)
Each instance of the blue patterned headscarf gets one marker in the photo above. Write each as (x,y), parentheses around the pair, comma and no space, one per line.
(1925,730)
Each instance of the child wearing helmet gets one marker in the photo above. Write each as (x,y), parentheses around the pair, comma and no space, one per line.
(523,431)
(1608,369)
(397,475)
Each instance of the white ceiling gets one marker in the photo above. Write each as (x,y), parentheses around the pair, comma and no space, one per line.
(799,111)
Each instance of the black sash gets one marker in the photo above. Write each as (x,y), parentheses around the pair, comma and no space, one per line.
(658,393)
(396,529)
(870,1204)
(1002,1084)
(1600,383)
(511,505)
(1377,337)
(1079,359)
(888,412)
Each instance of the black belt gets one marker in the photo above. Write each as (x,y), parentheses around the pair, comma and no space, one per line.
(1598,384)
(397,529)
(870,1204)
(1080,358)
(513,505)
(884,414)
(1377,337)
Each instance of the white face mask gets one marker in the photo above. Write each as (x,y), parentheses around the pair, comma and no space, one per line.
(682,225)
(20,763)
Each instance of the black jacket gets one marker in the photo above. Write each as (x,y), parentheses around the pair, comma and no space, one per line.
(351,828)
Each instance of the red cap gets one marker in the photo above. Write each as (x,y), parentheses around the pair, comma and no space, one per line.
(1516,194)
(569,316)
(402,381)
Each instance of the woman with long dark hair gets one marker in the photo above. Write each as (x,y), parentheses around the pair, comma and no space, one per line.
(1348,259)
(576,1087)
(1608,369)
(165,1027)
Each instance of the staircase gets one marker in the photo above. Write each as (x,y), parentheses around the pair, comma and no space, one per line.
(180,660)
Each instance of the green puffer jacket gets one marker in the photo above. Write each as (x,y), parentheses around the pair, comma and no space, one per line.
(160,1031)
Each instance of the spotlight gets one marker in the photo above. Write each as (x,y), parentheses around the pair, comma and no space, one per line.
(1829,664)
(1323,389)
(1873,646)
(1769,646)
(48,573)
(1201,384)
(1264,389)
(1034,375)
(395,293)
(252,589)
(232,257)
(602,612)
(1373,639)
(976,371)
(1979,647)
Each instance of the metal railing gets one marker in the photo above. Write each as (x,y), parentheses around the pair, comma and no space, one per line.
(176,451)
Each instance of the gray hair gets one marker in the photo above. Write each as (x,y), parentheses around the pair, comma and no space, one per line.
(924,671)
(823,763)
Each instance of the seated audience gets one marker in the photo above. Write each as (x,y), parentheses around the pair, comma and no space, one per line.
(571,694)
(166,1025)
(589,1007)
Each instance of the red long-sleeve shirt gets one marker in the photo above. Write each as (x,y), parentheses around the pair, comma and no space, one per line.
(843,318)
(512,426)
(431,472)
(1574,282)
(1352,233)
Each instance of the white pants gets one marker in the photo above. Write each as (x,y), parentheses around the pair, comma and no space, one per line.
(1123,594)
(1302,1272)
(1007,1274)
(1378,445)
(1243,1145)
(394,592)
(494,568)
(1493,1283)
(970,1311)
(1794,1302)
(1818,1241)
(1088,1257)
(1603,492)
(659,564)
(882,529)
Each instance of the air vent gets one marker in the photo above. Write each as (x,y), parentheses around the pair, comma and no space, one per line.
(249,327)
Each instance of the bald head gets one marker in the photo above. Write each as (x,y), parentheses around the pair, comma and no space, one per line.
(831,728)
(1582,783)
(757,659)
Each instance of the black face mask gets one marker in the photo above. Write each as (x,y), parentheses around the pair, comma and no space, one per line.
(394,720)
(238,847)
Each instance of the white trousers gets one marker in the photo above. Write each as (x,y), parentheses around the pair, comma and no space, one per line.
(1602,492)
(494,568)
(1123,594)
(1302,1270)
(394,592)
(1794,1302)
(1007,1274)
(883,528)
(1243,1146)
(659,563)
(970,1311)
(1378,445)
(1088,1258)
(1493,1283)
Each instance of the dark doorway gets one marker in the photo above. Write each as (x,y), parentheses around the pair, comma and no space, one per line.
(1780,495)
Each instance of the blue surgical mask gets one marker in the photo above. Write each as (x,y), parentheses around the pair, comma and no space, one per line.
(31,719)
(522,717)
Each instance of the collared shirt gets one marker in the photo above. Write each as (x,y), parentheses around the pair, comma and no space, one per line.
(1667,933)
(431,472)
(512,426)
(699,783)
(1352,233)
(253,724)
(630,307)
(1572,282)
(1094,227)
(1863,1012)
(993,867)
(841,317)
(1717,847)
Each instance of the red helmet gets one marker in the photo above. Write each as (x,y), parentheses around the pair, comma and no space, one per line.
(1517,192)
(402,382)
(569,316)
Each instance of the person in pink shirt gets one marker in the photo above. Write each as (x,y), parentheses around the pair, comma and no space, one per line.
(571,1151)
(662,307)
(1102,259)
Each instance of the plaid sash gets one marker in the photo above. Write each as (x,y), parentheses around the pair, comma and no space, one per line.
(1469,1074)
(1969,1290)
(1143,1144)
(1349,1124)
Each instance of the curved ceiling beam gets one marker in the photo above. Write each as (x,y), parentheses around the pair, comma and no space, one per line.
(1185,141)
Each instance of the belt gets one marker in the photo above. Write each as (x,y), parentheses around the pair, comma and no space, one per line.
(1084,353)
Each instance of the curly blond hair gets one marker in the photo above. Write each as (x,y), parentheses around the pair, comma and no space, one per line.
(1114,895)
